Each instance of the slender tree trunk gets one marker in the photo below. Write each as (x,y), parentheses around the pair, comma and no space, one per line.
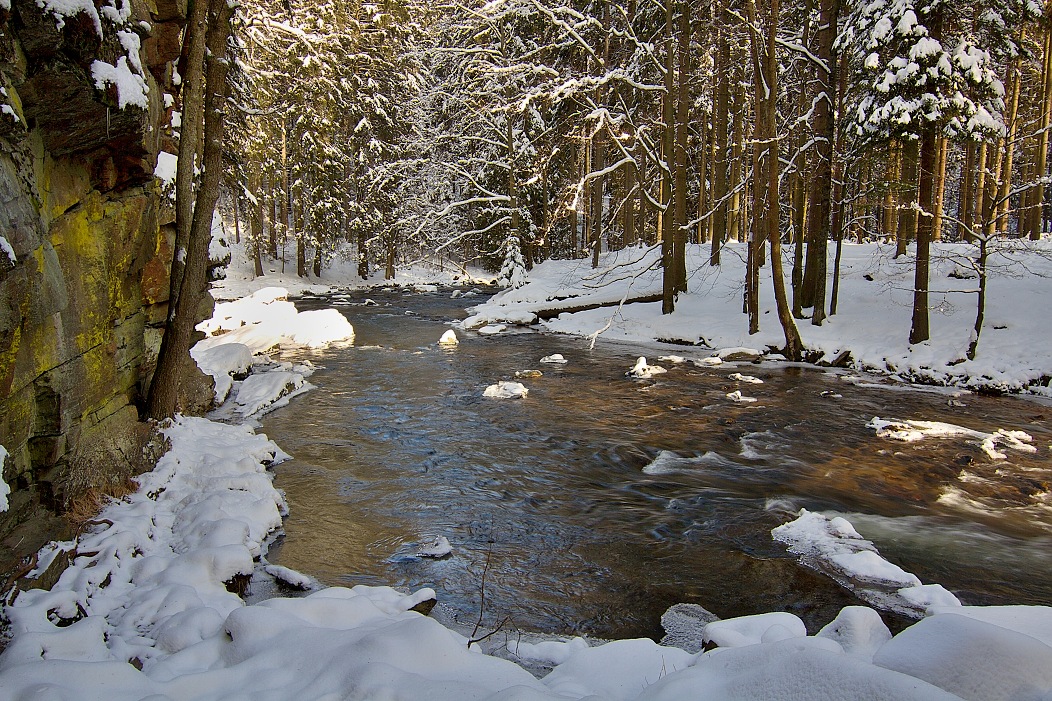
(1034,228)
(736,227)
(820,210)
(720,124)
(174,354)
(919,330)
(189,140)
(668,262)
(907,225)
(966,197)
(890,223)
(940,189)
(1003,199)
(679,237)
(980,306)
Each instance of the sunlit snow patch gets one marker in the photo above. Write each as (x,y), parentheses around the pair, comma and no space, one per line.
(554,358)
(710,361)
(449,338)
(738,353)
(641,370)
(269,390)
(492,329)
(832,546)
(910,431)
(674,359)
(506,390)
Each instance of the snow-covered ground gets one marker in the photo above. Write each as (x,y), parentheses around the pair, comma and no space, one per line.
(145,608)
(872,320)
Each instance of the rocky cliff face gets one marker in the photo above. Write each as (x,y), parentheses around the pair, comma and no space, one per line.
(84,105)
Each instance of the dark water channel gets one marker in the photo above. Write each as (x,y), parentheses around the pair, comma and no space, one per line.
(397,446)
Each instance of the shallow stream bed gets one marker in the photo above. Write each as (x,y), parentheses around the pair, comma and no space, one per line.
(557,501)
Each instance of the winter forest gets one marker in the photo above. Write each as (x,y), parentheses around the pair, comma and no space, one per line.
(529,130)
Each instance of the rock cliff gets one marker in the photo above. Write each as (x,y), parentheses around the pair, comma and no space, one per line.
(86,94)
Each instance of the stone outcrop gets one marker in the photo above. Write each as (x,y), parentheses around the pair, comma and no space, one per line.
(81,306)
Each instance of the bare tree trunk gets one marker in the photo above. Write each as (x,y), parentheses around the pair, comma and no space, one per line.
(890,223)
(174,354)
(940,189)
(668,288)
(189,141)
(919,330)
(679,236)
(966,197)
(1009,147)
(907,225)
(720,124)
(1035,218)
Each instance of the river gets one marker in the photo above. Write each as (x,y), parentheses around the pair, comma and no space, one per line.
(546,500)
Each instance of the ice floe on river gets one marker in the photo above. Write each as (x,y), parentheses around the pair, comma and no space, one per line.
(910,431)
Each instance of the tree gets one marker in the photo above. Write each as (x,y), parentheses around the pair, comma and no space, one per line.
(206,85)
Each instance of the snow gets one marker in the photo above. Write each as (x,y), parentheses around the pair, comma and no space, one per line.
(737,396)
(61,9)
(438,548)
(642,370)
(449,338)
(910,431)
(554,359)
(131,86)
(872,321)
(506,390)
(831,545)
(7,250)
(166,167)
(5,488)
(748,379)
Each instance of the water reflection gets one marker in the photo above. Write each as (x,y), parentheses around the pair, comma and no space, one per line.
(598,501)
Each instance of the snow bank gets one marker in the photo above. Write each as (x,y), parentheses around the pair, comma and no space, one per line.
(870,328)
(240,332)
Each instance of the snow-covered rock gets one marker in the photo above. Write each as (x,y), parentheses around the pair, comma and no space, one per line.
(737,396)
(748,379)
(506,390)
(438,548)
(554,358)
(449,338)
(641,370)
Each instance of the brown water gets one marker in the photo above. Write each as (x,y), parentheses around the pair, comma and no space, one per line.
(398,446)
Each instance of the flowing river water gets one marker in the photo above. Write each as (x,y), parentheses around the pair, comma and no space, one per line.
(546,499)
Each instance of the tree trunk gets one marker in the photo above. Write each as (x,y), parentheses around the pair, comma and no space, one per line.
(193,62)
(1035,218)
(919,331)
(966,196)
(720,126)
(1009,148)
(907,225)
(889,227)
(940,189)
(174,354)
(668,287)
(679,237)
